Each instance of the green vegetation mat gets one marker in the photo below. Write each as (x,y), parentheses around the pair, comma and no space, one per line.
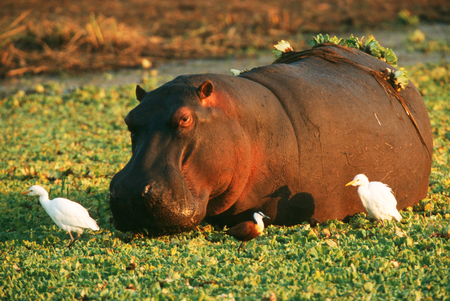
(73,142)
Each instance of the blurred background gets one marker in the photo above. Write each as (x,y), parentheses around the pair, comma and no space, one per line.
(82,36)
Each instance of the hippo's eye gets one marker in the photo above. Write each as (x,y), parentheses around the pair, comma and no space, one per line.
(185,120)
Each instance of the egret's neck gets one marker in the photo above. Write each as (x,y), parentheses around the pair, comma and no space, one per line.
(43,199)
(259,223)
(364,193)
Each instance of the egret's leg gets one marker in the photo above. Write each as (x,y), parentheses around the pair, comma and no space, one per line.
(78,236)
(71,240)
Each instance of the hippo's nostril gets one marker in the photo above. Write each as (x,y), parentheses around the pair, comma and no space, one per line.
(147,189)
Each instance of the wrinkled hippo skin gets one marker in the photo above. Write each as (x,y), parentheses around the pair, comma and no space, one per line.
(283,139)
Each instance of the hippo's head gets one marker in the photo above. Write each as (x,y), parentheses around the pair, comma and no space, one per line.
(186,148)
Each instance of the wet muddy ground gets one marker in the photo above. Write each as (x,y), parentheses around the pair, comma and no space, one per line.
(391,39)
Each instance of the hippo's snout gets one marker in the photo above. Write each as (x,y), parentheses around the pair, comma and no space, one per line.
(123,207)
(134,209)
(157,206)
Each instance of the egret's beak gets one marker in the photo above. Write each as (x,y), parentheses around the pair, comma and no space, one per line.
(25,192)
(266,216)
(351,183)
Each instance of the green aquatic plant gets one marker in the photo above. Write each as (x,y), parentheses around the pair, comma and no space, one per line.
(397,78)
(369,45)
(73,142)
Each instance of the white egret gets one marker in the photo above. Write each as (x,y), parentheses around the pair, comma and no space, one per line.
(67,215)
(248,230)
(377,198)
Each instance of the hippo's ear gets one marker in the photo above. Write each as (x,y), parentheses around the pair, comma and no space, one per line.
(205,89)
(140,93)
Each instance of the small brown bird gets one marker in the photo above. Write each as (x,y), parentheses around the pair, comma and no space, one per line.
(248,230)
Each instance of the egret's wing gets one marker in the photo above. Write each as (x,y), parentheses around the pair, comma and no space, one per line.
(384,191)
(384,199)
(72,214)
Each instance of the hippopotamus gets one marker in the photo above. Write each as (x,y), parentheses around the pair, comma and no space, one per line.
(283,139)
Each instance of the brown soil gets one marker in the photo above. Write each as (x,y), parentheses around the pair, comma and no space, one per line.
(84,35)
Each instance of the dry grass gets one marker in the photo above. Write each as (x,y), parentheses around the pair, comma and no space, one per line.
(83,35)
(54,45)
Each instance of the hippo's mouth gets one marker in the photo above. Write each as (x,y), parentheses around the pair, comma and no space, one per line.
(158,216)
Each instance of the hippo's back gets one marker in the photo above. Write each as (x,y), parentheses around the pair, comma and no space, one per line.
(347,123)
